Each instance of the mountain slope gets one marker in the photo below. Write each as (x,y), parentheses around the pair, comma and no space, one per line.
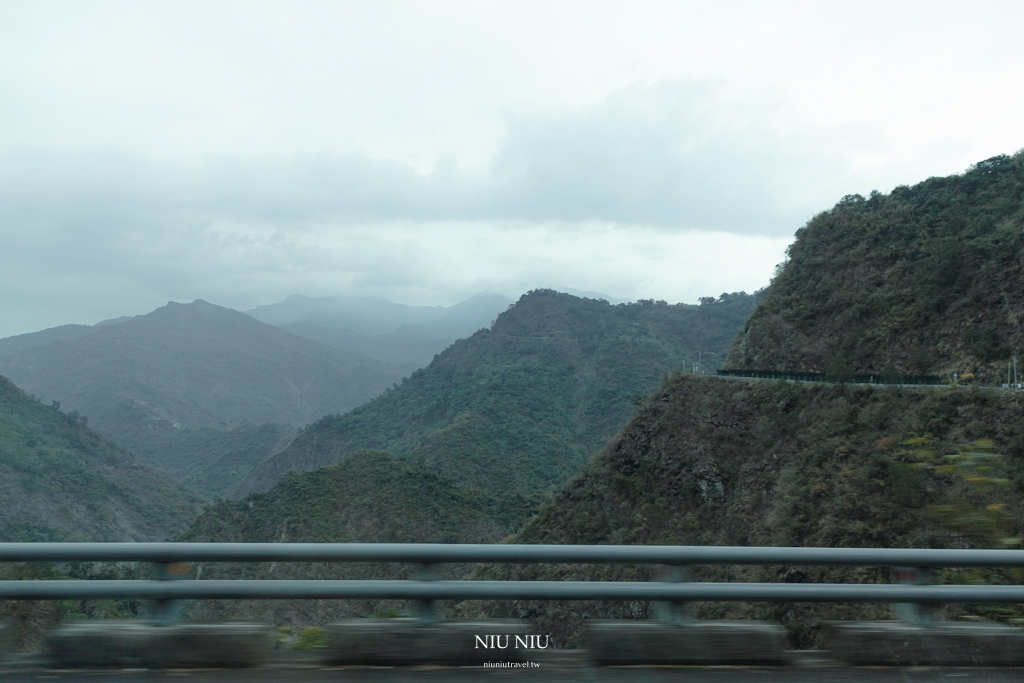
(369,498)
(186,367)
(927,279)
(709,461)
(59,481)
(521,406)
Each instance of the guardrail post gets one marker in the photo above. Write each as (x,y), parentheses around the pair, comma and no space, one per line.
(426,610)
(914,613)
(676,612)
(167,612)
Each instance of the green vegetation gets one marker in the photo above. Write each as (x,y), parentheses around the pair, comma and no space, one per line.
(522,406)
(708,461)
(371,497)
(311,638)
(924,280)
(59,481)
(208,460)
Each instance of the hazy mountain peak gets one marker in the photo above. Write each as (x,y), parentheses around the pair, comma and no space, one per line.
(370,316)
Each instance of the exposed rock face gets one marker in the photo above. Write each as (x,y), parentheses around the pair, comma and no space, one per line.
(711,461)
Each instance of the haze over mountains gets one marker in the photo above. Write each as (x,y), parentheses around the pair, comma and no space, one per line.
(201,374)
(383,329)
(205,393)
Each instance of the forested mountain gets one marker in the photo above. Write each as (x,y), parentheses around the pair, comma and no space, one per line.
(59,481)
(522,405)
(711,461)
(926,279)
(201,391)
(371,497)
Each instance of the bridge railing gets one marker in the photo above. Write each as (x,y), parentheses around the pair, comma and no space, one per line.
(171,560)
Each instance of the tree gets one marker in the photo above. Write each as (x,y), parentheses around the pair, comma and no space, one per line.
(891,374)
(838,371)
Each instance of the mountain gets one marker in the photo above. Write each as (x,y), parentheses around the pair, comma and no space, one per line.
(926,279)
(370,316)
(382,329)
(370,498)
(199,374)
(522,405)
(712,461)
(407,344)
(12,345)
(60,481)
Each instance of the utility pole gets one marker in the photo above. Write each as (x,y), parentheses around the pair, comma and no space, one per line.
(1015,384)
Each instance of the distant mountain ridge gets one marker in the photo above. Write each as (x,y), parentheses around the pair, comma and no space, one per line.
(21,342)
(149,380)
(522,405)
(370,316)
(383,329)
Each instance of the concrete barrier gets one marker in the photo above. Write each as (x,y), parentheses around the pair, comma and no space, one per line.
(138,644)
(407,642)
(623,641)
(945,644)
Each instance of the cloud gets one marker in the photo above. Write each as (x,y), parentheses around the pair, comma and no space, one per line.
(568,201)
(679,155)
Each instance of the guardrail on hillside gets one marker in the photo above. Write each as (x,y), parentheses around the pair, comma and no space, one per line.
(796,376)
(426,588)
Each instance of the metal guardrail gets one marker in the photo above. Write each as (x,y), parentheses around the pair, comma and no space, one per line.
(505,590)
(801,376)
(425,588)
(437,553)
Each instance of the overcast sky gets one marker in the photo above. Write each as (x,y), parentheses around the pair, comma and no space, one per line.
(427,151)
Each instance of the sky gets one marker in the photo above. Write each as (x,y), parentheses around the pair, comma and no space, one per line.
(242,152)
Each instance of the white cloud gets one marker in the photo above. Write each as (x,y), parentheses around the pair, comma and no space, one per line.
(244,151)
